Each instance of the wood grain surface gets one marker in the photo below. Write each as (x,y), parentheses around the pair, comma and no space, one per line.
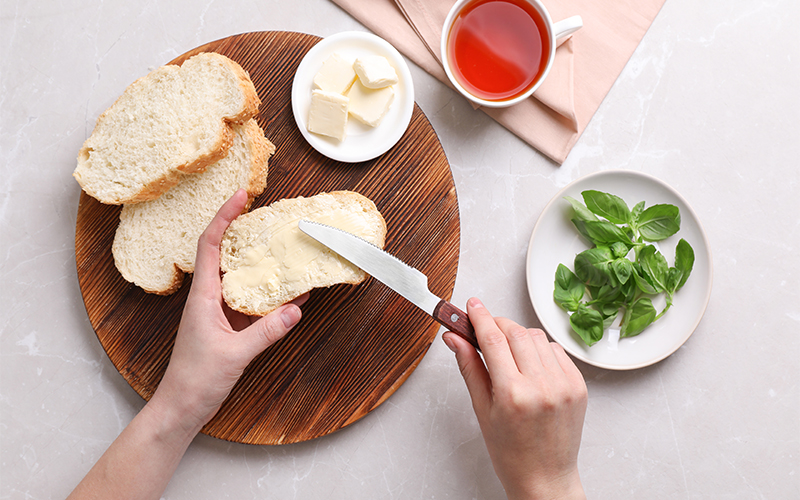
(355,344)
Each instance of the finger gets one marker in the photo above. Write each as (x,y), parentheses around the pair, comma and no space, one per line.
(206,267)
(472,370)
(520,341)
(271,328)
(239,321)
(494,345)
(545,349)
(572,372)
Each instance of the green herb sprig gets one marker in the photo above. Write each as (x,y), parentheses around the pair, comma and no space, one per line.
(614,282)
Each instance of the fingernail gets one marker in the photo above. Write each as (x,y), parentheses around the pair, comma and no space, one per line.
(450,344)
(290,316)
(475,302)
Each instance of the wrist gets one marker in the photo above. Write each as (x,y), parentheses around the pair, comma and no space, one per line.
(170,422)
(567,487)
(182,403)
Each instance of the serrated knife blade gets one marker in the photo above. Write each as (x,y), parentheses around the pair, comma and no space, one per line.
(394,273)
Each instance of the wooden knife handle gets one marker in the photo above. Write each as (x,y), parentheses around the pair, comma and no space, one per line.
(456,320)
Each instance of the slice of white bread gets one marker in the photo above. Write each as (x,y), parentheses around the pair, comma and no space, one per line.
(156,240)
(268,261)
(175,120)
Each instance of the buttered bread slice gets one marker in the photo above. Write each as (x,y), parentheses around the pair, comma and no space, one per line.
(156,240)
(175,120)
(267,261)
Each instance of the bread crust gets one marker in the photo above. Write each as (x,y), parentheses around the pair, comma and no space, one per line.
(251,100)
(263,149)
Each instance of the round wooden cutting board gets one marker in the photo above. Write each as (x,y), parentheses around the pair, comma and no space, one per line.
(355,344)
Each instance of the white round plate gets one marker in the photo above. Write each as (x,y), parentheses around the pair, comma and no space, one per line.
(555,240)
(362,142)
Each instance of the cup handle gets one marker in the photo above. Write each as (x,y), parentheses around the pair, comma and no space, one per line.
(567,26)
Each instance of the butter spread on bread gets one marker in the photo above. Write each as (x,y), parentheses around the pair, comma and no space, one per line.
(267,261)
(175,120)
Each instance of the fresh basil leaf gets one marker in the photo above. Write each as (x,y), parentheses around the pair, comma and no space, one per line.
(591,266)
(673,279)
(629,289)
(609,310)
(642,314)
(565,301)
(684,261)
(580,225)
(588,324)
(659,222)
(602,232)
(636,212)
(642,281)
(619,249)
(608,206)
(581,212)
(606,293)
(623,268)
(608,320)
(568,289)
(628,232)
(655,267)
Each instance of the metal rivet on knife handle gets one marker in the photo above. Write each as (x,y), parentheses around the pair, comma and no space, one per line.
(457,321)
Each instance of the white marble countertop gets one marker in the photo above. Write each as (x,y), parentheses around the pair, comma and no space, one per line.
(708,103)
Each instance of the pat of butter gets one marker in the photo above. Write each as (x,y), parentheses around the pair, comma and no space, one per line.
(336,75)
(370,105)
(375,72)
(328,114)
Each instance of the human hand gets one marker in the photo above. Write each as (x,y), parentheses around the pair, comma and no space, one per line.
(530,400)
(214,344)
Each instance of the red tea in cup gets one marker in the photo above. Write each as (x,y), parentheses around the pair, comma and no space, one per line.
(498,49)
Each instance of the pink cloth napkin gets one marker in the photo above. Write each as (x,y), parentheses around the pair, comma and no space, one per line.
(586,65)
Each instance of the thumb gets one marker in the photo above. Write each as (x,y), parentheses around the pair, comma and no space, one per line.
(271,328)
(472,369)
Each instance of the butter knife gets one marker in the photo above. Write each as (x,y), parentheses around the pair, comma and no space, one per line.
(394,273)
